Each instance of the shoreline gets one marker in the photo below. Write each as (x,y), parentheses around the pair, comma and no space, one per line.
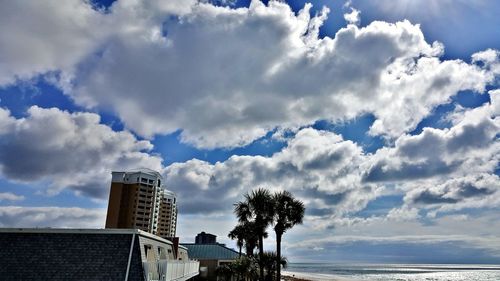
(309,276)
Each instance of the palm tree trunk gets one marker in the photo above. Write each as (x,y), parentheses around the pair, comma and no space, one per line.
(240,251)
(278,256)
(261,257)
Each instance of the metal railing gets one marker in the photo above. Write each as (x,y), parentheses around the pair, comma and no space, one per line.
(170,270)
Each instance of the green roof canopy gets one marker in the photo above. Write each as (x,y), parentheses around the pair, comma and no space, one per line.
(210,252)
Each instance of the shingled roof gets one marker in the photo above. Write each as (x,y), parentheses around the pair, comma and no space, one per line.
(211,252)
(61,255)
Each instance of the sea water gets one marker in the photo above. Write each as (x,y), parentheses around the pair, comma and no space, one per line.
(400,272)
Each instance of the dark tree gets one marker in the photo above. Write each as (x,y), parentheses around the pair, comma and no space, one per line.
(288,212)
(257,208)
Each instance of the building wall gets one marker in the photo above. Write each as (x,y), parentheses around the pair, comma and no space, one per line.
(167,220)
(137,201)
(211,266)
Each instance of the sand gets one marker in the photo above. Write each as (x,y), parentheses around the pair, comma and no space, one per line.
(304,276)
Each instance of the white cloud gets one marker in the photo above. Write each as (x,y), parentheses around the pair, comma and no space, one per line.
(319,167)
(41,36)
(474,191)
(445,170)
(471,144)
(353,17)
(15,216)
(474,231)
(9,196)
(225,77)
(68,150)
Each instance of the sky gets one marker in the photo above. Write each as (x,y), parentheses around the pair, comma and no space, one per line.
(381,116)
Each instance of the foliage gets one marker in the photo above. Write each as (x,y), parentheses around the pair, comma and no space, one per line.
(270,264)
(246,235)
(243,268)
(259,210)
(288,212)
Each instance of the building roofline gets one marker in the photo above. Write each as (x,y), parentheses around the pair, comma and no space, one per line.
(141,170)
(109,231)
(218,244)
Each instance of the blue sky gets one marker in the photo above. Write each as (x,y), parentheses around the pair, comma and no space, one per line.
(382,117)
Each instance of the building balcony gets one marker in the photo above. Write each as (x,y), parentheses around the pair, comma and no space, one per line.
(170,270)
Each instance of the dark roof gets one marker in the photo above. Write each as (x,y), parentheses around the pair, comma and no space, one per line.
(61,255)
(211,252)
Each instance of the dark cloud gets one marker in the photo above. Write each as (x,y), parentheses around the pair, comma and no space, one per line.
(408,171)
(14,216)
(426,197)
(68,150)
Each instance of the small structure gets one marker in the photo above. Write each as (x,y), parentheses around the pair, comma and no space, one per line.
(91,254)
(210,255)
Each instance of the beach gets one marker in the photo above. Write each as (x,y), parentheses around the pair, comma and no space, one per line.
(308,276)
(391,272)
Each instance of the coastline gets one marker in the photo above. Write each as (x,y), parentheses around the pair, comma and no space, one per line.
(308,276)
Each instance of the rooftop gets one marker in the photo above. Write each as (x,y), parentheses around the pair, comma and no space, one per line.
(214,251)
(142,170)
(109,231)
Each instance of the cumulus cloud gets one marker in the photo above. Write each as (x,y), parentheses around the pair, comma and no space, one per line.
(445,170)
(226,77)
(353,17)
(9,196)
(41,36)
(68,150)
(439,170)
(250,70)
(474,191)
(318,166)
(471,144)
(473,231)
(15,216)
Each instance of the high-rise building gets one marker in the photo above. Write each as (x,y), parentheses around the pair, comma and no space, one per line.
(167,220)
(205,238)
(138,200)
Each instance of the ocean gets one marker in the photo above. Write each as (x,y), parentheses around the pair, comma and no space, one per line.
(399,272)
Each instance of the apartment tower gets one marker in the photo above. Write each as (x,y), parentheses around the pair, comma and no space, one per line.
(138,200)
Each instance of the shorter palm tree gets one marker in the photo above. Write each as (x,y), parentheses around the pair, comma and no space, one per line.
(246,235)
(288,212)
(270,264)
(238,233)
(225,272)
(257,209)
(245,268)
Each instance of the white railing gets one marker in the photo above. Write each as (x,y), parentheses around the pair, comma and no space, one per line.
(170,270)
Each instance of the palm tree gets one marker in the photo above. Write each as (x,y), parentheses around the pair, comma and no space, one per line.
(239,232)
(288,212)
(224,271)
(270,264)
(251,237)
(257,209)
(245,268)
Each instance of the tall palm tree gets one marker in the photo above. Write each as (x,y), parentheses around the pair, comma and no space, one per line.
(257,209)
(288,212)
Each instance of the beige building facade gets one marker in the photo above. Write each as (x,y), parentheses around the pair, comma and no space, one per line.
(137,200)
